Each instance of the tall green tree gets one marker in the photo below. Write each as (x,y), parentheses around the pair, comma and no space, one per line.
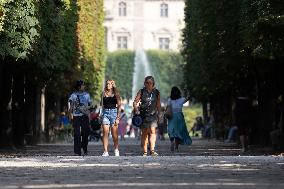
(18,33)
(90,34)
(40,58)
(234,48)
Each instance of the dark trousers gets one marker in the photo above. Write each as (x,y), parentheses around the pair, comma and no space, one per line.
(81,133)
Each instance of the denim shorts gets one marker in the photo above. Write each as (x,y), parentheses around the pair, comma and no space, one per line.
(109,116)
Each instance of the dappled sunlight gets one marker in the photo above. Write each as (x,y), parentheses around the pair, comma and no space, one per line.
(228,166)
(141,172)
(146,184)
(70,163)
(223,149)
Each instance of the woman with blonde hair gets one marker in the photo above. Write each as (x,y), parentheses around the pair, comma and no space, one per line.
(149,109)
(111,108)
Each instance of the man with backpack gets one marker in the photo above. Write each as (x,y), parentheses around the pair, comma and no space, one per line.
(78,105)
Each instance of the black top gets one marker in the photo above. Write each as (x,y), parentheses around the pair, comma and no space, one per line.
(109,102)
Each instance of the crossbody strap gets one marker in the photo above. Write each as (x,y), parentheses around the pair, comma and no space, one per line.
(78,99)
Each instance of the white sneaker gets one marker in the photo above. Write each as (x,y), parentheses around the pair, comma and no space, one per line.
(105,154)
(116,152)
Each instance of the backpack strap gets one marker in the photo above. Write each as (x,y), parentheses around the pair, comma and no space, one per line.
(78,99)
(158,92)
(141,92)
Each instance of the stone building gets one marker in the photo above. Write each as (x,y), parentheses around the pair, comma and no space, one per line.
(143,24)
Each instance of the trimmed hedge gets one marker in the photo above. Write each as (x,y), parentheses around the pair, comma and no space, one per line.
(119,67)
(166,67)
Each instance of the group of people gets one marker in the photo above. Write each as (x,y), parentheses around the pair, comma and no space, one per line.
(147,104)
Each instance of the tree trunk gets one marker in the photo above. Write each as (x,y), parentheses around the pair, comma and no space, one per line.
(30,110)
(266,97)
(5,105)
(18,106)
(38,130)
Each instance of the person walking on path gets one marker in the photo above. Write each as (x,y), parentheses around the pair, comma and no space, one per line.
(177,129)
(122,124)
(111,108)
(78,106)
(149,110)
(242,110)
(162,125)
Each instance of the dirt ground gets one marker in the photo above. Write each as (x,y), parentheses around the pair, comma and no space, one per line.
(205,164)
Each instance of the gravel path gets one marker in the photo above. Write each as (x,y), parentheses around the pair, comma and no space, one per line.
(206,164)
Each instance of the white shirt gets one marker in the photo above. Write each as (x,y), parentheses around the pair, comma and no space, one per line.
(176,104)
(80,97)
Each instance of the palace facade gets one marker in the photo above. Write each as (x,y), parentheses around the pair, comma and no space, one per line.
(143,24)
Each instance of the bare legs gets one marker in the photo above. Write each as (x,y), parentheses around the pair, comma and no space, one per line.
(175,142)
(114,133)
(144,138)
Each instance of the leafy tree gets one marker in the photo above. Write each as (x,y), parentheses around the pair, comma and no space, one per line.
(55,53)
(90,34)
(119,67)
(234,48)
(42,55)
(18,28)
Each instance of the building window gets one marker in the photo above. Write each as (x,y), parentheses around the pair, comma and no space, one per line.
(122,9)
(164,10)
(122,42)
(164,43)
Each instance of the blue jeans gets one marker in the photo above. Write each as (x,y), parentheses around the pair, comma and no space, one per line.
(109,116)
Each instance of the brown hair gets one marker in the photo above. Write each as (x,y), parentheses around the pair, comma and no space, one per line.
(151,78)
(114,88)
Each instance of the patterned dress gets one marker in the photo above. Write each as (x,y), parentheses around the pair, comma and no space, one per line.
(148,108)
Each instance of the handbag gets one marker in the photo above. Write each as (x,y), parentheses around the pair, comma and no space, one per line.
(169,112)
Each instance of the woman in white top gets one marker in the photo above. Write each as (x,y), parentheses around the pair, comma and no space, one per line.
(177,129)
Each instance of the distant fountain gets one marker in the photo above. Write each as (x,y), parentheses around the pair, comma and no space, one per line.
(141,70)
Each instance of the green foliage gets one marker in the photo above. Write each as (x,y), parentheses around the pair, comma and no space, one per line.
(190,113)
(58,47)
(167,69)
(211,46)
(18,28)
(90,34)
(234,48)
(262,27)
(119,67)
(53,60)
